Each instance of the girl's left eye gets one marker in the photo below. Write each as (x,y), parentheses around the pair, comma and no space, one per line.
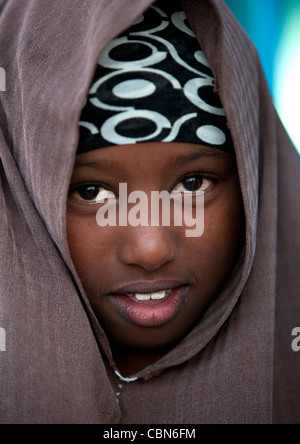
(91,193)
(193,184)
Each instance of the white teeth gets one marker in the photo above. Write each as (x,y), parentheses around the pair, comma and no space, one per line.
(143,297)
(158,295)
(153,296)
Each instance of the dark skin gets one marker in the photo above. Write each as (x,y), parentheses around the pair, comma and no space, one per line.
(109,258)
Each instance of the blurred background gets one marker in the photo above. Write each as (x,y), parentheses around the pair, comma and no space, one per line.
(274,28)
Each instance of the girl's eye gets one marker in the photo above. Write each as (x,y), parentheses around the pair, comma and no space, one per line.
(193,184)
(91,193)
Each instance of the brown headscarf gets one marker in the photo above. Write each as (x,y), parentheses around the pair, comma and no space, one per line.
(237,365)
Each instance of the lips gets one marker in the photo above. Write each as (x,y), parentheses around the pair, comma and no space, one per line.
(150,304)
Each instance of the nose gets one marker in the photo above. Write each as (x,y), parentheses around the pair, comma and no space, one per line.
(147,247)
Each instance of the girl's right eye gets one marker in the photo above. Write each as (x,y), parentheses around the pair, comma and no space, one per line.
(91,193)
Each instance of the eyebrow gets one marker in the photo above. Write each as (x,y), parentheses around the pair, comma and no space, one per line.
(181,158)
(90,164)
(203,153)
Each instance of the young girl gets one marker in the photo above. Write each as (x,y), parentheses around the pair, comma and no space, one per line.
(117,319)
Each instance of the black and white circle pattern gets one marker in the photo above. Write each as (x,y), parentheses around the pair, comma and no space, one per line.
(153,83)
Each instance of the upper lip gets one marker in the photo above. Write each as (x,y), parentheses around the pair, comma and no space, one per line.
(147,287)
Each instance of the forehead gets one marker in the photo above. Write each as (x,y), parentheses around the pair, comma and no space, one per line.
(150,155)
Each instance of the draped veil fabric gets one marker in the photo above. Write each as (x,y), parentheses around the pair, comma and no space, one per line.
(237,364)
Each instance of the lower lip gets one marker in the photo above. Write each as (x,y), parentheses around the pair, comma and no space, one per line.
(152,313)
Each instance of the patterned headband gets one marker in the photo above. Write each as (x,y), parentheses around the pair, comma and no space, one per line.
(154,83)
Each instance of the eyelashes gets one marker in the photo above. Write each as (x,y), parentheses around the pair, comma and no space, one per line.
(93,193)
(193,184)
(90,193)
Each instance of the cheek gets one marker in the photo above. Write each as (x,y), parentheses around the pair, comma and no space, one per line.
(224,228)
(216,251)
(86,245)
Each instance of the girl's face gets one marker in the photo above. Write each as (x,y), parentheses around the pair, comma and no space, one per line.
(148,285)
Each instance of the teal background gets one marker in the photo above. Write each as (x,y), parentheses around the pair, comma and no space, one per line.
(274,28)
